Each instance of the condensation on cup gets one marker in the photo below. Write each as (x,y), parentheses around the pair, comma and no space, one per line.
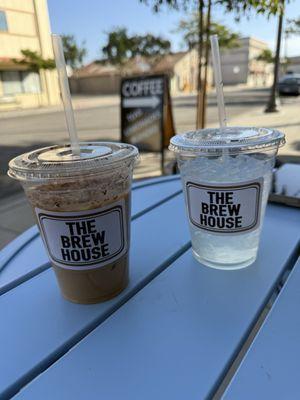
(226,176)
(82,206)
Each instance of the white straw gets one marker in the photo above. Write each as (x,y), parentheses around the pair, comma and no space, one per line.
(218,79)
(65,93)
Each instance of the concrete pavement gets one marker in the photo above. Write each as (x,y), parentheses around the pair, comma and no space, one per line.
(287,121)
(100,121)
(16,215)
(79,103)
(23,132)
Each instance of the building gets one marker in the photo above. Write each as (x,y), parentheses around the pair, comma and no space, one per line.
(240,66)
(24,24)
(95,78)
(182,69)
(292,66)
(100,77)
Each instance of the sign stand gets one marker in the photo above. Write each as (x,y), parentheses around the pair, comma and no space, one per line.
(146,113)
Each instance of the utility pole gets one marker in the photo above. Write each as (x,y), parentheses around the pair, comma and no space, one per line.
(199,116)
(272,104)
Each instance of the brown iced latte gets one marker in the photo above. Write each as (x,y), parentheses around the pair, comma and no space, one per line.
(84,216)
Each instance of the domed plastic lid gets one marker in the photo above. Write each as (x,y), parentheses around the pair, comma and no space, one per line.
(56,162)
(233,140)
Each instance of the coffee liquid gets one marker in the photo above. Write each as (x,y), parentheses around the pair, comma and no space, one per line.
(100,283)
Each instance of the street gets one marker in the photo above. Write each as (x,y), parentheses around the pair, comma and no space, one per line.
(101,122)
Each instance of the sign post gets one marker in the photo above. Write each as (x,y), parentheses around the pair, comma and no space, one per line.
(146,113)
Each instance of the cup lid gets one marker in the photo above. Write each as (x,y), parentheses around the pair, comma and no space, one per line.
(56,162)
(233,140)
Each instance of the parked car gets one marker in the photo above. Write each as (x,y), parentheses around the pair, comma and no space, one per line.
(289,84)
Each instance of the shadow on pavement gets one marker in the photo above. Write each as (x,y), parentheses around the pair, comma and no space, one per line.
(296,145)
(232,103)
(9,186)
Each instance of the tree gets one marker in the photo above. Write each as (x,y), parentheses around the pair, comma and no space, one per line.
(246,7)
(34,61)
(238,7)
(121,47)
(227,39)
(73,52)
(292,29)
(118,47)
(293,26)
(189,28)
(272,103)
(149,45)
(266,56)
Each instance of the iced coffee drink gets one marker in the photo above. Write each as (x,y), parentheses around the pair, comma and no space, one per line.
(82,206)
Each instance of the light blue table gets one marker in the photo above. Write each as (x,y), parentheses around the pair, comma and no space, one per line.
(172,334)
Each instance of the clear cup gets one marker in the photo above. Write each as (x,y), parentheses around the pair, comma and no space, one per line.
(82,206)
(226,176)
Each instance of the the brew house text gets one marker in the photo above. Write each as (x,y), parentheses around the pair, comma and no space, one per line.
(221,211)
(84,242)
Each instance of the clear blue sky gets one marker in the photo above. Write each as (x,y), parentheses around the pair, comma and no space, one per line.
(90,19)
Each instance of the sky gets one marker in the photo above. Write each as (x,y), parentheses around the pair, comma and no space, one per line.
(89,20)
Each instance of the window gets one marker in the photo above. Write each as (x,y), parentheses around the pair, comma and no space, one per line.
(3,22)
(11,82)
(15,82)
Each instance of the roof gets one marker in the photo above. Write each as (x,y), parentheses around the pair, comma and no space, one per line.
(294,59)
(7,63)
(139,64)
(168,62)
(96,68)
(253,39)
(136,65)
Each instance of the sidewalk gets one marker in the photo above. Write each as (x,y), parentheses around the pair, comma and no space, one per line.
(17,215)
(79,103)
(287,121)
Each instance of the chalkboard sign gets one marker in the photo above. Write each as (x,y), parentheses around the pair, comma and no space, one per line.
(146,112)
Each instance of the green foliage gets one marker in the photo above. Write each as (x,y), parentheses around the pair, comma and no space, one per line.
(266,56)
(293,27)
(245,7)
(74,53)
(121,47)
(149,45)
(157,5)
(34,61)
(190,26)
(118,46)
(239,7)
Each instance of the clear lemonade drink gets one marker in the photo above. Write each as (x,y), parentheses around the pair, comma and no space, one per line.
(226,176)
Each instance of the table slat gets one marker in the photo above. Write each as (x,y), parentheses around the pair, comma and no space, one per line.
(32,259)
(272,362)
(177,337)
(38,325)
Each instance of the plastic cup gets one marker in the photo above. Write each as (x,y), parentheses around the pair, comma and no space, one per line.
(82,206)
(226,176)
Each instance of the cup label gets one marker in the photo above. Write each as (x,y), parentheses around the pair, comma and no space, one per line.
(225,208)
(87,239)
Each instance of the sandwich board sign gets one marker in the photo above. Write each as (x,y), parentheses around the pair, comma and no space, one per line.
(146,113)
